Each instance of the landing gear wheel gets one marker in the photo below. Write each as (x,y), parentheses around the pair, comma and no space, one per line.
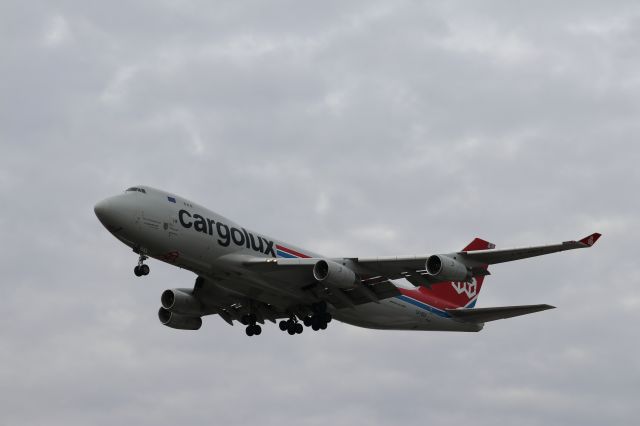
(307,321)
(141,269)
(144,269)
(299,328)
(283,325)
(323,326)
(253,330)
(291,327)
(315,327)
(327,317)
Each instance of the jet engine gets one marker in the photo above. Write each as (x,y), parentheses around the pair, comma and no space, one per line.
(334,274)
(445,268)
(181,301)
(181,322)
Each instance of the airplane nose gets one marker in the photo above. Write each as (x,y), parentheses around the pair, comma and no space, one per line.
(114,213)
(104,212)
(101,208)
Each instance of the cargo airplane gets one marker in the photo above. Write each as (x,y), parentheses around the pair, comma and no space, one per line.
(247,277)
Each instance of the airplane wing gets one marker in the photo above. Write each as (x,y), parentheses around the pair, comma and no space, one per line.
(490,257)
(293,280)
(232,306)
(413,267)
(493,314)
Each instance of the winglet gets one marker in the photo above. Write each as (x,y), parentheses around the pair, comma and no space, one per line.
(591,239)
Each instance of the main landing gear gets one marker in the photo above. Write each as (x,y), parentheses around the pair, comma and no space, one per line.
(252,329)
(320,317)
(291,326)
(317,321)
(141,269)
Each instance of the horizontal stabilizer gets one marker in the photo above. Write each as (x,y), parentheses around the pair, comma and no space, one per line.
(492,314)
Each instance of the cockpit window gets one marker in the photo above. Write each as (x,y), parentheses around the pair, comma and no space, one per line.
(134,189)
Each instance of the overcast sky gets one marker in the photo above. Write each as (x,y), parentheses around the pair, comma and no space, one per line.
(353,128)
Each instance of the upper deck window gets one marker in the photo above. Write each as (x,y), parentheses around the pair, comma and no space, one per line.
(136,190)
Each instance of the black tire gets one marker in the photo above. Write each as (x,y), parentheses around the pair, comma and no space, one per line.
(299,328)
(291,327)
(315,327)
(327,317)
(323,326)
(257,330)
(291,331)
(307,321)
(137,272)
(144,269)
(283,325)
(249,331)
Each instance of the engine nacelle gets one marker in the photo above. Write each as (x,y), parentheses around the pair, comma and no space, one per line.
(181,301)
(181,322)
(445,268)
(334,274)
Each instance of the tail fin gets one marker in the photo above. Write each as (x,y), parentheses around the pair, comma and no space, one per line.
(461,294)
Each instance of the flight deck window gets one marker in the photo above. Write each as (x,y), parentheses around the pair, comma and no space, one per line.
(134,189)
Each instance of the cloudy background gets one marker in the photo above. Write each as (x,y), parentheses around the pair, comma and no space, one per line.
(351,128)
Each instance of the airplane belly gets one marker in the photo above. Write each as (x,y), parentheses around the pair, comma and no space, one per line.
(387,314)
(394,314)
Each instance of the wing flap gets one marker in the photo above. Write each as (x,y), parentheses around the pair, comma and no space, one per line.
(493,314)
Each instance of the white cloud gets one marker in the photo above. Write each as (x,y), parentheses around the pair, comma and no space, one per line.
(116,89)
(379,233)
(57,31)
(486,39)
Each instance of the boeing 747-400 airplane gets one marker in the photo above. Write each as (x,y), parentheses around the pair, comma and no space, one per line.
(250,278)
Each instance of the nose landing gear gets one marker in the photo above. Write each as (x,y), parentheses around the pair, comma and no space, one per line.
(141,269)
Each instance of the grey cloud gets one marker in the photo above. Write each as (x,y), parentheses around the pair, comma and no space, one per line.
(350,128)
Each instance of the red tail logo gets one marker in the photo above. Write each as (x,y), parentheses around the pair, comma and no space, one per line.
(470,289)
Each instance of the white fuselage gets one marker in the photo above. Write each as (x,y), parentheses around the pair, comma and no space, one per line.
(185,234)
